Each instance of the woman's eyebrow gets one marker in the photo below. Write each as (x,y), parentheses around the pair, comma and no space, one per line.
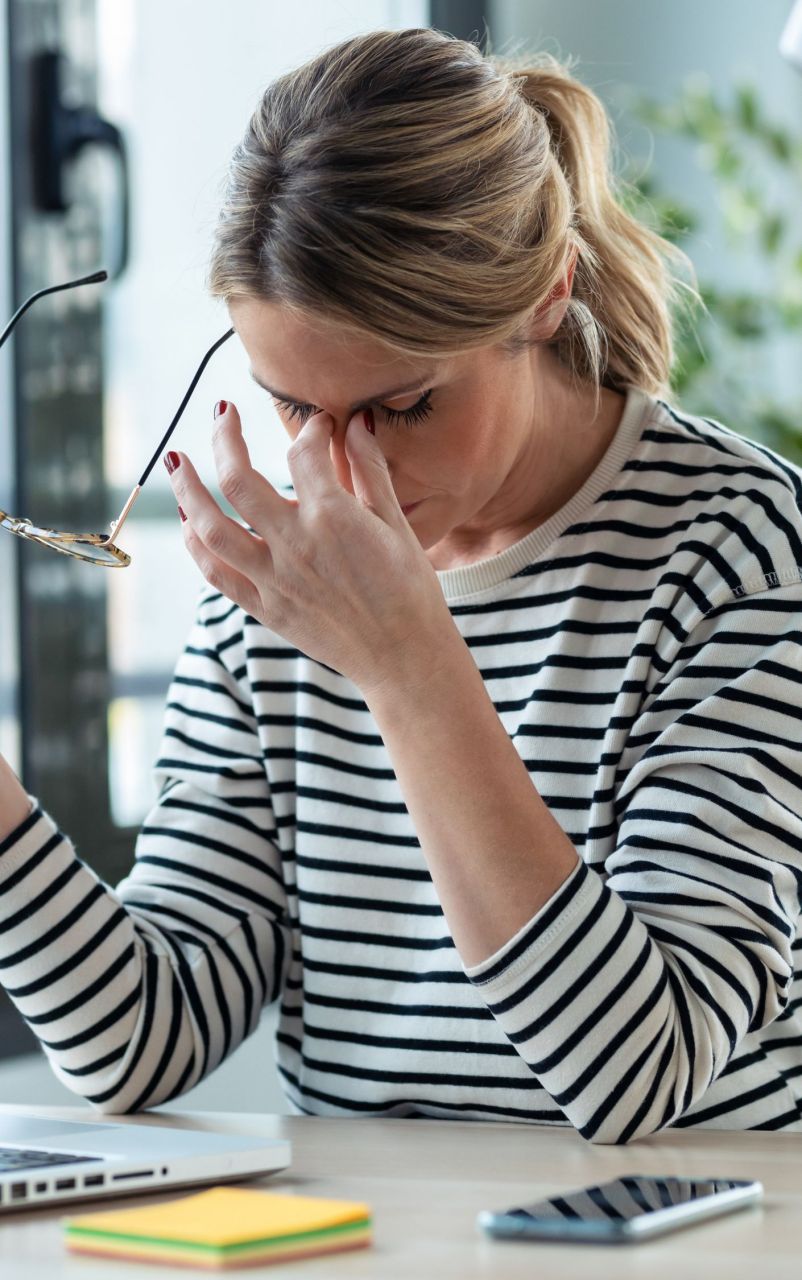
(363,404)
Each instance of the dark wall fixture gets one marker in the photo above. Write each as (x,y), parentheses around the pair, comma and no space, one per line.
(464,18)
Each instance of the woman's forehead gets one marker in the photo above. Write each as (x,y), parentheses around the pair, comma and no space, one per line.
(292,355)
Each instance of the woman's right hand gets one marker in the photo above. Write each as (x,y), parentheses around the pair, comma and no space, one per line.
(15,804)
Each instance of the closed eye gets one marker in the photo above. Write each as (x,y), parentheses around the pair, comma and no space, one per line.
(395,417)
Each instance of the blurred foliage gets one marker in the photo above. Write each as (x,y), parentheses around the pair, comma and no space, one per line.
(727,351)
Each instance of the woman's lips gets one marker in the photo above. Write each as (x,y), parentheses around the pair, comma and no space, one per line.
(411,506)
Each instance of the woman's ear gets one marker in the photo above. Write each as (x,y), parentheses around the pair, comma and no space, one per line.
(551,313)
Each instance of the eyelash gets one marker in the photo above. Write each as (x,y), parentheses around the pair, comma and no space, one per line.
(395,417)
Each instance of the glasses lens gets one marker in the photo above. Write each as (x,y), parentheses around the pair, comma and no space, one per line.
(80,549)
(93,548)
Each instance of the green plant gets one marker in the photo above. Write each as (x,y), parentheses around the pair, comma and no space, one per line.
(727,351)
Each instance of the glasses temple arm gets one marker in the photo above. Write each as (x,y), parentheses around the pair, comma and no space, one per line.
(117,524)
(95,278)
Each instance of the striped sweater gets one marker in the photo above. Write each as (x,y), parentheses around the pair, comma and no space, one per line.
(641,648)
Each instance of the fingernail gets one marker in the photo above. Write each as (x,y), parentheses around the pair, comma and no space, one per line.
(369,422)
(181,513)
(220,407)
(172,461)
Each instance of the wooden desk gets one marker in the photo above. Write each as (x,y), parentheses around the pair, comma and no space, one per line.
(427,1179)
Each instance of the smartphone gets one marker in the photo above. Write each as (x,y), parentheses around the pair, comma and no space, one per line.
(631,1208)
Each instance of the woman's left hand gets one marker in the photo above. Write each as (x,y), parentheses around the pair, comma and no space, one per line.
(341,576)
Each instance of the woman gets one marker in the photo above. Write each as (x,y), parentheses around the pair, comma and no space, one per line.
(482,754)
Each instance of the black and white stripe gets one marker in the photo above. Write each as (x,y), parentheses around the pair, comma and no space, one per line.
(642,648)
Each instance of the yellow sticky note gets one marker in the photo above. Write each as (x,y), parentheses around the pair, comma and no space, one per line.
(222,1217)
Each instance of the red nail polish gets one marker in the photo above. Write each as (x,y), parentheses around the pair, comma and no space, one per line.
(172,461)
(181,513)
(220,407)
(369,421)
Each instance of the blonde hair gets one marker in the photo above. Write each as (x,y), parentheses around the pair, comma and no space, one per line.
(406,186)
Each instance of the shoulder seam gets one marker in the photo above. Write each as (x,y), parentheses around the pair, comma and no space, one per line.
(757,585)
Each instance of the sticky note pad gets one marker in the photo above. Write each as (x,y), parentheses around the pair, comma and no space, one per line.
(223,1227)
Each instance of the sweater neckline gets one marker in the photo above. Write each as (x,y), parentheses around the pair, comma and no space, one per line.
(482,574)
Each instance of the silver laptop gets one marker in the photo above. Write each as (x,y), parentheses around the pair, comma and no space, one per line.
(46,1160)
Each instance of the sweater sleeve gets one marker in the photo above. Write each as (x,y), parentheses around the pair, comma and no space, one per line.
(137,993)
(630,990)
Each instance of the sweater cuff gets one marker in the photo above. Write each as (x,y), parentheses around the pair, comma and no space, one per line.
(575,895)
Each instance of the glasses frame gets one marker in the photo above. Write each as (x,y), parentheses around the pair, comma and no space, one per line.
(63,542)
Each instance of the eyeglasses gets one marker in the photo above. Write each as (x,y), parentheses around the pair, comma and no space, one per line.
(95,548)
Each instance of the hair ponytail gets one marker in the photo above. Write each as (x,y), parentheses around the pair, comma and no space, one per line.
(618,327)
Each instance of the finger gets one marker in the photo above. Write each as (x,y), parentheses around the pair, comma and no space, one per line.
(223,537)
(221,576)
(369,474)
(250,494)
(308,458)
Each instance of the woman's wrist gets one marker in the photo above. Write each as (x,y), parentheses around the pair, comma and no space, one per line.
(15,803)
